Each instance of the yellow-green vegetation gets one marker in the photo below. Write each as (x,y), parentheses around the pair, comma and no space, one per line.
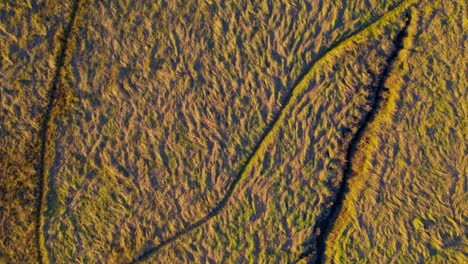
(271,215)
(30,41)
(217,131)
(408,196)
(164,109)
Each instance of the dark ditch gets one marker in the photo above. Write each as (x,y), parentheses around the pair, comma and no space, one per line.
(54,93)
(324,226)
(286,100)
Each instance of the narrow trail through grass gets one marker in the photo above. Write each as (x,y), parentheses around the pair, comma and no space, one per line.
(324,226)
(44,137)
(273,127)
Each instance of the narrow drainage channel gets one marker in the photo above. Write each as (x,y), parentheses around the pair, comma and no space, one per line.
(44,137)
(324,227)
(230,190)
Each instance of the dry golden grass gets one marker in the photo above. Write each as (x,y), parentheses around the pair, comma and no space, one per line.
(160,119)
(271,216)
(164,107)
(408,198)
(29,43)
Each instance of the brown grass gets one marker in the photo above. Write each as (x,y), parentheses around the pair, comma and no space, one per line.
(408,200)
(161,103)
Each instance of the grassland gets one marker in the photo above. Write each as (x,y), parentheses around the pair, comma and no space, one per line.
(30,42)
(219,131)
(129,155)
(408,195)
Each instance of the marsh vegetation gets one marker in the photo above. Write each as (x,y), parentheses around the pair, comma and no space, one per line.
(233,131)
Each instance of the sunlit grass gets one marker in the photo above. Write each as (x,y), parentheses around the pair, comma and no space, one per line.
(408,198)
(161,103)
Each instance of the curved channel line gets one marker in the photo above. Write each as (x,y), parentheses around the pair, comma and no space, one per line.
(292,95)
(44,137)
(324,227)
